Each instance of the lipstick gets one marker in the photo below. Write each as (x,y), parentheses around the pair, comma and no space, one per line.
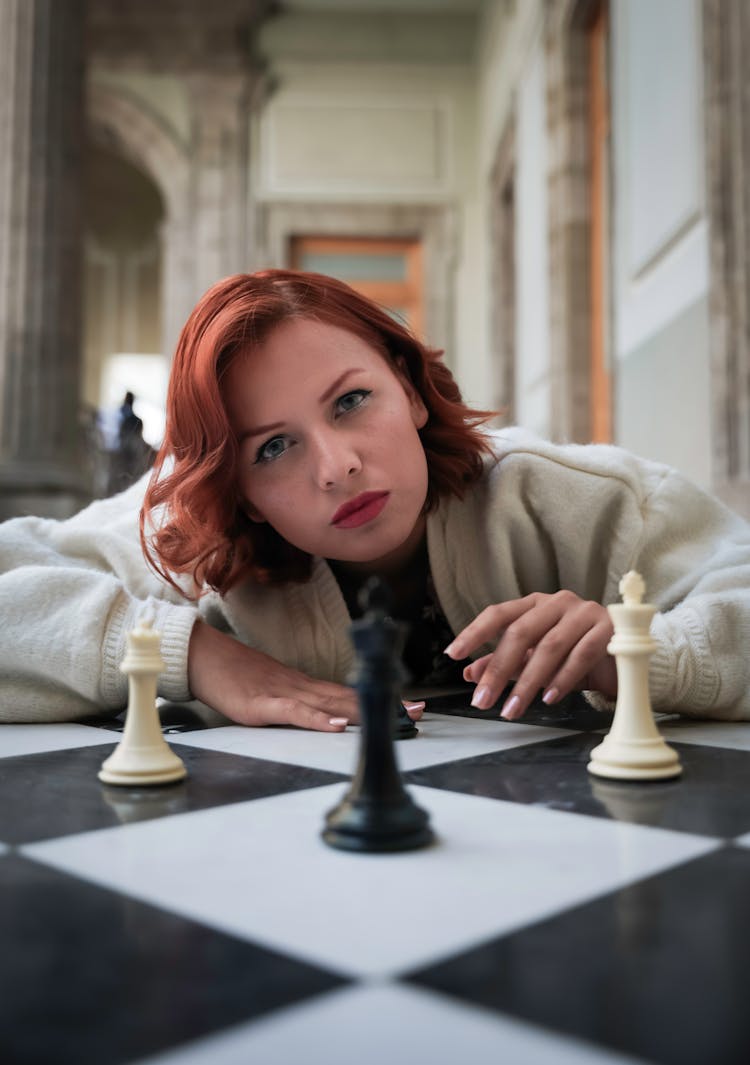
(360,510)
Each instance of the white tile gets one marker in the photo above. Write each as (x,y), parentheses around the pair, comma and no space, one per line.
(260,870)
(374,1024)
(33,739)
(732,734)
(441,739)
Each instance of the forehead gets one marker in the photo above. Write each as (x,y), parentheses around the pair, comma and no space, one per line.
(307,349)
(305,337)
(299,357)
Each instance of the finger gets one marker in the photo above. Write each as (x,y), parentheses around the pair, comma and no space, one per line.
(561,658)
(414,710)
(334,700)
(473,672)
(326,694)
(487,626)
(519,644)
(275,710)
(587,653)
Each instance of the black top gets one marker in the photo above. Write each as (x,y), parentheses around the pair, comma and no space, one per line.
(419,609)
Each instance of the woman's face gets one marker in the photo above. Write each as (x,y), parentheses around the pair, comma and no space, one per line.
(330,455)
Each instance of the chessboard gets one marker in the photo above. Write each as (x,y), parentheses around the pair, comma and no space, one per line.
(558,918)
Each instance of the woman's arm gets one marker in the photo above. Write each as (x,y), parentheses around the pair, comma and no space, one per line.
(252,688)
(70,591)
(590,519)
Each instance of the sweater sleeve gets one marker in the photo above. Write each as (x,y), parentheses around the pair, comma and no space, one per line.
(70,591)
(694,554)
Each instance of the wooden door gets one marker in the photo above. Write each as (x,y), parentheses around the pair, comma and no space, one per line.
(389,272)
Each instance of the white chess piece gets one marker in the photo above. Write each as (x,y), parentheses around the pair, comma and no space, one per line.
(633,748)
(143,756)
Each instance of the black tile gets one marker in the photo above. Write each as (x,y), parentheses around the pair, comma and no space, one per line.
(656,970)
(90,977)
(572,712)
(173,717)
(57,793)
(710,798)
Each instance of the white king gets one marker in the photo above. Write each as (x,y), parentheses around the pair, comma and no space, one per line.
(143,756)
(633,749)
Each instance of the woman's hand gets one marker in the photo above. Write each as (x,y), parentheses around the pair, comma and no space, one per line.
(556,643)
(251,688)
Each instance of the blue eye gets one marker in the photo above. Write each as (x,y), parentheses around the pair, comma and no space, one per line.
(271,450)
(352,400)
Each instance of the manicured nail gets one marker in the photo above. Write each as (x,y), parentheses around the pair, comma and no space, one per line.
(481,698)
(551,696)
(450,649)
(415,706)
(509,710)
(338,721)
(467,673)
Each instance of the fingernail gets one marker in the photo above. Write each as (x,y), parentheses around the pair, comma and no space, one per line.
(415,706)
(467,673)
(338,721)
(551,696)
(509,710)
(449,650)
(481,698)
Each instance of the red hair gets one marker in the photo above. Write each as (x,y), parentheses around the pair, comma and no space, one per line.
(200,529)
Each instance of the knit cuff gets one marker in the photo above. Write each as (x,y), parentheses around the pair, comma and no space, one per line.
(599,701)
(682,674)
(175,623)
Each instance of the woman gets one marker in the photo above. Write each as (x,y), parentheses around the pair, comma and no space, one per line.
(311,442)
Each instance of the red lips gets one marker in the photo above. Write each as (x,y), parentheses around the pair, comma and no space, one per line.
(361,509)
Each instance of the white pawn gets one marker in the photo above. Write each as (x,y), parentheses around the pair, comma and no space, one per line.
(633,748)
(143,756)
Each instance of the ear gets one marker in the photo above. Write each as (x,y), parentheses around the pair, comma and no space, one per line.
(419,412)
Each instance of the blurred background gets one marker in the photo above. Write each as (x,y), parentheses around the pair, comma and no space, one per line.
(553,191)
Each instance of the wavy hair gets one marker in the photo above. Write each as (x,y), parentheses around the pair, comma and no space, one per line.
(192,504)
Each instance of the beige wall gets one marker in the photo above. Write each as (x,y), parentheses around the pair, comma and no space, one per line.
(660,253)
(370,116)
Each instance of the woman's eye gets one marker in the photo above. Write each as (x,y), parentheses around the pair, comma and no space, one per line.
(351,400)
(272,449)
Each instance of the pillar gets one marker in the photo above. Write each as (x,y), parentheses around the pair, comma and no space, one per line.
(726,38)
(41,140)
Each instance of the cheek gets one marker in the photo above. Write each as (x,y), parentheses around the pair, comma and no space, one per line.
(268,497)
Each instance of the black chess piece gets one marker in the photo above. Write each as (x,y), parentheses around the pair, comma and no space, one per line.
(404,728)
(377,813)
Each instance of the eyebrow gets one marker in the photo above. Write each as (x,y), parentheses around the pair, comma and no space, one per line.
(261,430)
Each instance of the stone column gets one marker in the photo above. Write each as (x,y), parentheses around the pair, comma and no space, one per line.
(569,218)
(503,310)
(219,162)
(41,137)
(726,38)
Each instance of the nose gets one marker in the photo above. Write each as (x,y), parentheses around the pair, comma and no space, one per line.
(334,458)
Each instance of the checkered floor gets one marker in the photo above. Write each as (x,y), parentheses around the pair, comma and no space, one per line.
(558,918)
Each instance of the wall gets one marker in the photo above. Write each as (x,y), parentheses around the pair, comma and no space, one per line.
(378,112)
(361,110)
(660,252)
(511,82)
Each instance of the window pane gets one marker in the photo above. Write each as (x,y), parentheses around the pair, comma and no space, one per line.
(356,267)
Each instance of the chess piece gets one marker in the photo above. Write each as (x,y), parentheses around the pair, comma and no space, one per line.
(143,756)
(404,728)
(633,748)
(377,813)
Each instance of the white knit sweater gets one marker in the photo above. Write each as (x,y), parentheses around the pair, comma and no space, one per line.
(543,517)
